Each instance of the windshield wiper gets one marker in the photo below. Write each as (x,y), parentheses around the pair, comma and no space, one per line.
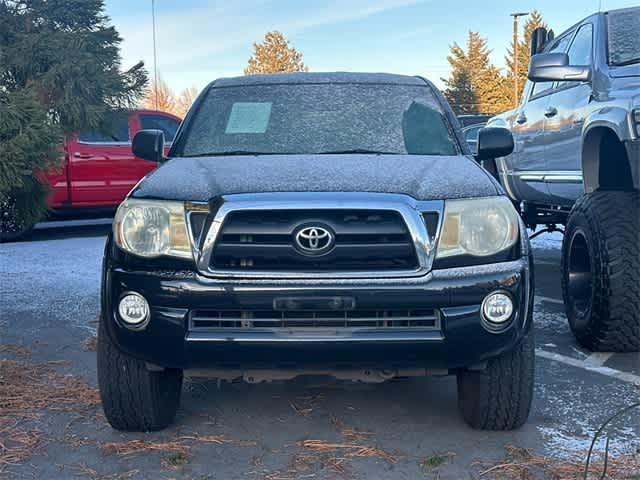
(230,153)
(357,150)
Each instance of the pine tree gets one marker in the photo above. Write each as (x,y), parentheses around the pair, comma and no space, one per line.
(460,92)
(475,84)
(59,73)
(274,55)
(524,54)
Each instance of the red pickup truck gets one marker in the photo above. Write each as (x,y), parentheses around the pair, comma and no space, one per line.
(99,168)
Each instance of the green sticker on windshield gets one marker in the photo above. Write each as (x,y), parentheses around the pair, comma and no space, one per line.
(247,117)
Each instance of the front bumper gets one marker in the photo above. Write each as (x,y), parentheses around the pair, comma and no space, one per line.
(457,293)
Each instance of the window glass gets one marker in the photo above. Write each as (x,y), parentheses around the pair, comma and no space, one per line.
(540,87)
(624,41)
(558,45)
(159,122)
(472,132)
(319,118)
(114,130)
(582,46)
(580,51)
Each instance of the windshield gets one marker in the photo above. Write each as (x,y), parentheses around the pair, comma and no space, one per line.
(318,118)
(624,41)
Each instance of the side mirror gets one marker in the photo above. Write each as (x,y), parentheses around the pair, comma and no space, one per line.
(149,145)
(554,66)
(494,142)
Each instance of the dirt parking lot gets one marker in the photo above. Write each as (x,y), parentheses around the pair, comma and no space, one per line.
(51,425)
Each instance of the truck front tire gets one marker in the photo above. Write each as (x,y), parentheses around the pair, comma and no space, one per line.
(601,271)
(133,397)
(499,397)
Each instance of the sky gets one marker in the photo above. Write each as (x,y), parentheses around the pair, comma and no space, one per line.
(199,40)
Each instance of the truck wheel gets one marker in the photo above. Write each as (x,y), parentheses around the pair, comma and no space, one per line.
(133,397)
(12,227)
(601,271)
(499,397)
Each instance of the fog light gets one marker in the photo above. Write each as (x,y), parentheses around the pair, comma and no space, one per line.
(497,308)
(133,310)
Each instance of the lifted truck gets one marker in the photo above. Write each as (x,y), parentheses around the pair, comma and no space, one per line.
(576,163)
(97,172)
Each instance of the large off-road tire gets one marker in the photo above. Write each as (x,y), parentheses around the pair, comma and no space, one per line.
(601,271)
(499,397)
(133,397)
(12,228)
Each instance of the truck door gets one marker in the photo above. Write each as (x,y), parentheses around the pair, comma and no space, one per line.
(100,164)
(103,168)
(528,155)
(568,106)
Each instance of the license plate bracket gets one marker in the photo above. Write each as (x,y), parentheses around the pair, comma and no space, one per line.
(317,304)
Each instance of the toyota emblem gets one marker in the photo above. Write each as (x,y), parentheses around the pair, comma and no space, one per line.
(314,240)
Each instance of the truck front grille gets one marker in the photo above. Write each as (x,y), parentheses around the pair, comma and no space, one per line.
(365,240)
(423,319)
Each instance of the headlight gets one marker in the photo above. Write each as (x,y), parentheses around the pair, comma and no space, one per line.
(150,228)
(478,227)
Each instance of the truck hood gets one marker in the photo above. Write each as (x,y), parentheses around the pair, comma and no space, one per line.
(421,177)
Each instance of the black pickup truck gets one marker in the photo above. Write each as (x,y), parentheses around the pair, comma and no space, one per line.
(323,224)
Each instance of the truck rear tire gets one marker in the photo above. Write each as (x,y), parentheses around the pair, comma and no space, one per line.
(601,271)
(499,397)
(12,228)
(133,397)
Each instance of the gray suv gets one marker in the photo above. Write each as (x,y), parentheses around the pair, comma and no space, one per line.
(576,163)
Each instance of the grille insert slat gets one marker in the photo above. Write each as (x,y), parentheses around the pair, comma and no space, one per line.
(365,240)
(423,319)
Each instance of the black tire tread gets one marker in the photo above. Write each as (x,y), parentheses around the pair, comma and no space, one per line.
(613,218)
(499,397)
(134,398)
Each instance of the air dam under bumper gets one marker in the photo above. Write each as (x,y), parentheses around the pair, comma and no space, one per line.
(456,293)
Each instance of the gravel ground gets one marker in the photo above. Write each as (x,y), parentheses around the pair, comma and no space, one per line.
(49,290)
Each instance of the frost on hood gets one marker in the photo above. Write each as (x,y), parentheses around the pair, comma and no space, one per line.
(422,177)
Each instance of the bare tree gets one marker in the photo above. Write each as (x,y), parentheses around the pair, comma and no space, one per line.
(185,100)
(160,97)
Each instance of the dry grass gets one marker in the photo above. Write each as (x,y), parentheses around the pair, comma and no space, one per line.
(94,475)
(25,391)
(89,344)
(521,464)
(308,465)
(15,350)
(306,405)
(351,434)
(177,451)
(132,447)
(350,450)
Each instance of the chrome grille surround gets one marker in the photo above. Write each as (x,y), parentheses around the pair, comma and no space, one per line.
(411,211)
